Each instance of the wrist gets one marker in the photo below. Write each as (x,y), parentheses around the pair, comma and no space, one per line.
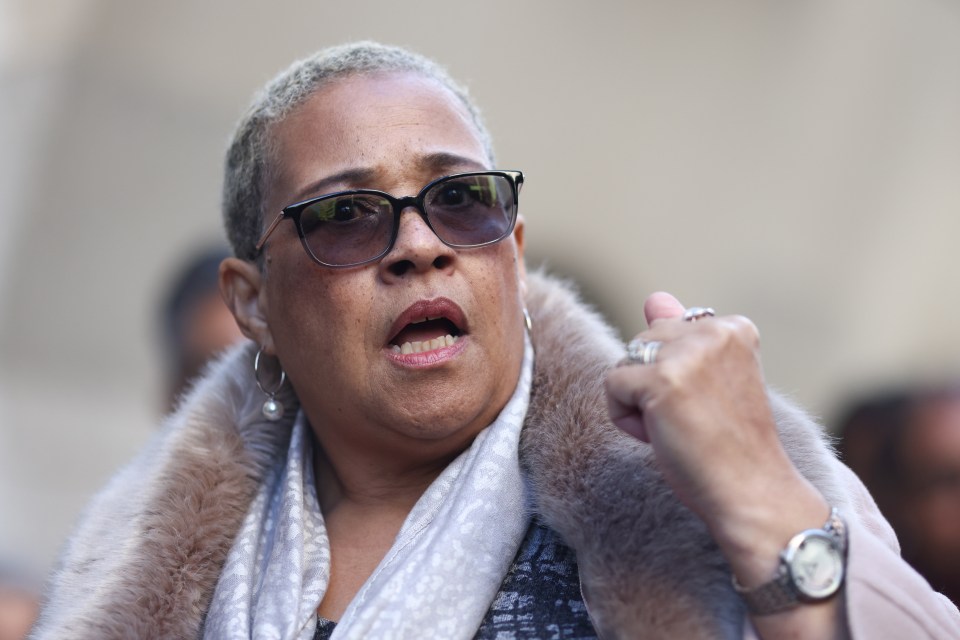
(753,535)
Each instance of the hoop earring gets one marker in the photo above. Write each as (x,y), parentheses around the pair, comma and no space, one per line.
(527,320)
(272,408)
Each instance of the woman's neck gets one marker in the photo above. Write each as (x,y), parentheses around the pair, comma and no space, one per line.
(380,484)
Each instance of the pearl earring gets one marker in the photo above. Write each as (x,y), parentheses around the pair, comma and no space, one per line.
(272,408)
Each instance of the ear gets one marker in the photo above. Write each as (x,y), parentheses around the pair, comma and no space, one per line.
(521,264)
(241,285)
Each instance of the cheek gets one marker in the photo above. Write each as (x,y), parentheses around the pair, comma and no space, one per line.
(318,313)
(502,292)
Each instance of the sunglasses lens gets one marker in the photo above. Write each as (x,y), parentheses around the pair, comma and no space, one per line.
(471,210)
(347,229)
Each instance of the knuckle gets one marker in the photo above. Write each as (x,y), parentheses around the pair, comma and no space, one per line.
(737,329)
(673,374)
(746,330)
(610,379)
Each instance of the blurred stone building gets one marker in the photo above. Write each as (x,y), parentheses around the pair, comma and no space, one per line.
(795,162)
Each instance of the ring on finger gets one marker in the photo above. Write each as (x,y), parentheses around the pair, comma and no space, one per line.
(642,352)
(696,313)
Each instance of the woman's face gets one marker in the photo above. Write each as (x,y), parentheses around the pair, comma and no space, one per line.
(334,330)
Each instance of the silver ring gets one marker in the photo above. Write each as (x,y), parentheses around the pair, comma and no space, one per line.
(695,313)
(642,351)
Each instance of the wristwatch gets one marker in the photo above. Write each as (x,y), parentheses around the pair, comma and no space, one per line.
(812,568)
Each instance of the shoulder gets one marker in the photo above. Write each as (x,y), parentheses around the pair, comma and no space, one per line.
(161,528)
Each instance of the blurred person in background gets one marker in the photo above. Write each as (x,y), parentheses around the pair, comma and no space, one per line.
(905,446)
(196,324)
(19,602)
(424,439)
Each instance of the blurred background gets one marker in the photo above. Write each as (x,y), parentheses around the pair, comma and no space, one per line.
(797,162)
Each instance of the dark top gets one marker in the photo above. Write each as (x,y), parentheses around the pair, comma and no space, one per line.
(539,598)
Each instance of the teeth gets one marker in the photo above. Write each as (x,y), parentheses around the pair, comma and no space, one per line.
(426,345)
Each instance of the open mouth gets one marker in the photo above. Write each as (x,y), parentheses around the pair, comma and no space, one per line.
(428,334)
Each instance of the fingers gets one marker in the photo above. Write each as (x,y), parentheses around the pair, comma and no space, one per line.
(661,306)
(628,419)
(624,401)
(712,354)
(718,330)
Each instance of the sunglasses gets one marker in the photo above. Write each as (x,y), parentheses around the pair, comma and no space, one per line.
(350,228)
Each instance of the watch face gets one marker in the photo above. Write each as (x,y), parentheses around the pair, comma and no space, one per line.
(816,565)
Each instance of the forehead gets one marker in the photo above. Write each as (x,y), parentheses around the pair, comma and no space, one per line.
(388,124)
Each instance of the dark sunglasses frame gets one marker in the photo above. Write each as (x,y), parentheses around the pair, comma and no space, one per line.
(293,211)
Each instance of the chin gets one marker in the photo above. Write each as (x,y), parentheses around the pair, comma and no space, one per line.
(441,421)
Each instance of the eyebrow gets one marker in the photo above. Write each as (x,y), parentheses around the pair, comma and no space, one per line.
(442,160)
(351,176)
(433,162)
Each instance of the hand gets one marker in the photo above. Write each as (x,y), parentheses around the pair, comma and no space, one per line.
(703,407)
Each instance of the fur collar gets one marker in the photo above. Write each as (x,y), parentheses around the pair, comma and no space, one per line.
(648,565)
(148,552)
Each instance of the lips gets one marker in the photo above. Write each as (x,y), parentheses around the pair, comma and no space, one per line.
(427,325)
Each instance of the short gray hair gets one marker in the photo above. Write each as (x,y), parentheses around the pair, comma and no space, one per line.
(247,169)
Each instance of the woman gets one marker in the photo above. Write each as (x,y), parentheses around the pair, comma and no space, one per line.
(418,443)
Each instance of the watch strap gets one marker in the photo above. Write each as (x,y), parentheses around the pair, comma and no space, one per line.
(771,597)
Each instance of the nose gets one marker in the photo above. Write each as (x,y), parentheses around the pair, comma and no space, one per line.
(417,248)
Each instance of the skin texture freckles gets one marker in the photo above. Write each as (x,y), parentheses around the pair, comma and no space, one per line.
(331,327)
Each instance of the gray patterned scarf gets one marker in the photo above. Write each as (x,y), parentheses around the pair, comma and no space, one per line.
(436,581)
